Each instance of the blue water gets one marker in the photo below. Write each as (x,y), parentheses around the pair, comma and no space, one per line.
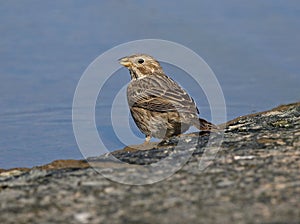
(252,46)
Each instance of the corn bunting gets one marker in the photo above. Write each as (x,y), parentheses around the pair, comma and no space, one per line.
(158,105)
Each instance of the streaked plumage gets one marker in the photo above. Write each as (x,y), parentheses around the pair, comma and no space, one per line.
(158,105)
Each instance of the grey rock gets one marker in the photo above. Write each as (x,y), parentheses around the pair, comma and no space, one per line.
(253,177)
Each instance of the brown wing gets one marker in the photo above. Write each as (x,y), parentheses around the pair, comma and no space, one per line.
(160,93)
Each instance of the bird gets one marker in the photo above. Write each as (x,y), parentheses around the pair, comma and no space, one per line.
(159,106)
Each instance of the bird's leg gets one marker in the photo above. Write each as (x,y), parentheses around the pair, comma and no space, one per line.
(147,139)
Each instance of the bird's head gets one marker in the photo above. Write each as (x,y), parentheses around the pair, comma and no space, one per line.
(141,65)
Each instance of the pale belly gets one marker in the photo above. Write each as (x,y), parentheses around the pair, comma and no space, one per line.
(159,124)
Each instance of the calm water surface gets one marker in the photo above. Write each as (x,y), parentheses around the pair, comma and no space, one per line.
(253,48)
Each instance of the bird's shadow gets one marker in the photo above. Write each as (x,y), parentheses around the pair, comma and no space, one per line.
(168,142)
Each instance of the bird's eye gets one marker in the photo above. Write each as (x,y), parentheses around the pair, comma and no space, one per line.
(141,61)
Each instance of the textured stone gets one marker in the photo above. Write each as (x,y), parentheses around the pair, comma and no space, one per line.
(254,177)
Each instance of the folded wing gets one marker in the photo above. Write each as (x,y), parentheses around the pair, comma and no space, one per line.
(160,93)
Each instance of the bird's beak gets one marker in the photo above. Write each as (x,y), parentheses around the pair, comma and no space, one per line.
(125,62)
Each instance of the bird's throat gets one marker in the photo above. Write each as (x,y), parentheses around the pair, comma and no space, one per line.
(133,74)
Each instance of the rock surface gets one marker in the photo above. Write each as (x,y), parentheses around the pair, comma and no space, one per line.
(253,177)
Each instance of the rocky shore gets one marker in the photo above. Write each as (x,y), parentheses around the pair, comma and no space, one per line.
(253,177)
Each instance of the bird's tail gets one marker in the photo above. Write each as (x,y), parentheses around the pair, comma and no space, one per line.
(205,125)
